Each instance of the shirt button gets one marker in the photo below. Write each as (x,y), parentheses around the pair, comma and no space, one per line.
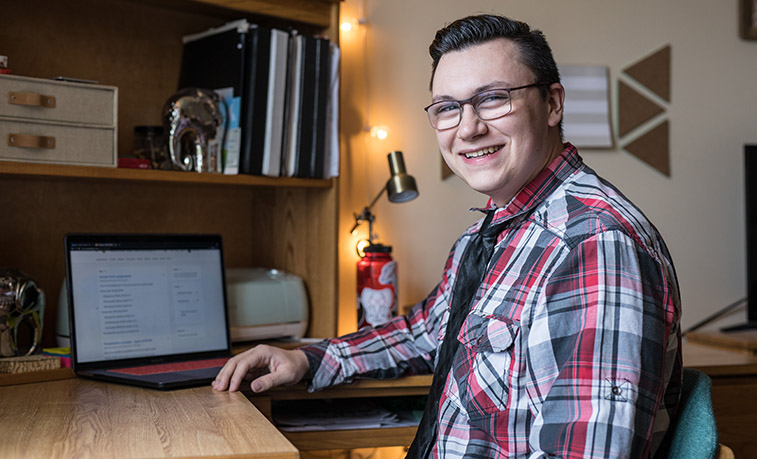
(616,390)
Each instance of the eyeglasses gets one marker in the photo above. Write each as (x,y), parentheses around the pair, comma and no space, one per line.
(488,105)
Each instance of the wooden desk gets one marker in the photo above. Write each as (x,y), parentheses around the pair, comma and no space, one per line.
(82,418)
(734,390)
(81,414)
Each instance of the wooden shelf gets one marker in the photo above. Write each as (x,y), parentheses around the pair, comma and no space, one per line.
(112,173)
(315,12)
(409,385)
(346,439)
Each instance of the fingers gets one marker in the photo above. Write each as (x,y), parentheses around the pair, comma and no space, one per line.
(264,383)
(237,376)
(284,367)
(233,373)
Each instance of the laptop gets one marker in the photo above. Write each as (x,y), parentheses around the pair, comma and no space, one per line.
(147,310)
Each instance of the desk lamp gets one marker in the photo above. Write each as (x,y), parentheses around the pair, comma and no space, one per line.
(400,187)
(376,271)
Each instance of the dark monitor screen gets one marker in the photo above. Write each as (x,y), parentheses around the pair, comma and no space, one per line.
(750,199)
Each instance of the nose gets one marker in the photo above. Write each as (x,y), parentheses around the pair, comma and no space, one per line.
(470,124)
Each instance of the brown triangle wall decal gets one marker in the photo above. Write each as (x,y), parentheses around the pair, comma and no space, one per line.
(653,72)
(653,148)
(634,109)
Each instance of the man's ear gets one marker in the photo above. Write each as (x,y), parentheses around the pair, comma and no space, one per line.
(556,101)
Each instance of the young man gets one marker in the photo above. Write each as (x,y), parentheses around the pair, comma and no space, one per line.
(568,345)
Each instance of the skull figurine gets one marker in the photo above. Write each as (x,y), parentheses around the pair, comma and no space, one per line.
(194,120)
(21,302)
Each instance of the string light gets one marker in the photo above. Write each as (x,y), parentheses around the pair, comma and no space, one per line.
(380,132)
(349,25)
(352,24)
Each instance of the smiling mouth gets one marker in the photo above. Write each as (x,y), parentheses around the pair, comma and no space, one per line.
(483,152)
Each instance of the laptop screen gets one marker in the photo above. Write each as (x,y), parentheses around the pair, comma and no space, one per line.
(136,297)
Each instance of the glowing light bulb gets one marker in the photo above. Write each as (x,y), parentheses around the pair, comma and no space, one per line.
(380,132)
(349,25)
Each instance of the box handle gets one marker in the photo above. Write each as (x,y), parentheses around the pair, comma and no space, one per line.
(30,141)
(32,99)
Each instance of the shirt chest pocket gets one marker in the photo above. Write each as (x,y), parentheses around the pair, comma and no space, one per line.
(483,364)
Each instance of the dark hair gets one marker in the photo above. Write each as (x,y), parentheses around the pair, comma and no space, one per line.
(533,49)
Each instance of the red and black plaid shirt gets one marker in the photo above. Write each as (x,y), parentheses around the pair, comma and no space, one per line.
(572,346)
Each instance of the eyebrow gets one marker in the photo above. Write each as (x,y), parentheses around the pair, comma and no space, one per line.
(486,87)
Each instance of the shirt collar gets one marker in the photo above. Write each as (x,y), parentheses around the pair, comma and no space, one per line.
(537,190)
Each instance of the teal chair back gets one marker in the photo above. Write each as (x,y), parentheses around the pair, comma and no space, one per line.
(694,434)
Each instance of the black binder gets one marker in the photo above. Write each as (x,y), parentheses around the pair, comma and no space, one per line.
(322,83)
(307,107)
(253,140)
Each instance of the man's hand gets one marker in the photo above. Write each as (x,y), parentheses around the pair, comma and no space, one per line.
(284,367)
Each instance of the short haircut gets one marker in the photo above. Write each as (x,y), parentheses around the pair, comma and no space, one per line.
(533,49)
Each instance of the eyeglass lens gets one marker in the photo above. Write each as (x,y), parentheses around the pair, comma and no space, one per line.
(488,105)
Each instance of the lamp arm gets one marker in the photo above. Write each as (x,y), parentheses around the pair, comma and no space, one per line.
(370,206)
(366,214)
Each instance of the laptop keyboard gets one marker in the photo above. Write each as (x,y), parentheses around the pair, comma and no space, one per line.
(171,367)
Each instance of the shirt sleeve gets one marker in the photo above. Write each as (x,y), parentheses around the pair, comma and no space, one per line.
(404,346)
(603,347)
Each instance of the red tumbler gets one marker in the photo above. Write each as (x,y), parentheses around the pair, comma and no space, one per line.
(376,286)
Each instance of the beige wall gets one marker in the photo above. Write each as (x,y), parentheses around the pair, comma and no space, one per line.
(713,112)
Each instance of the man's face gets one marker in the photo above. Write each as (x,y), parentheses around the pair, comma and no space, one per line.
(500,156)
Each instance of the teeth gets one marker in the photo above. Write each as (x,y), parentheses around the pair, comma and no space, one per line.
(482,152)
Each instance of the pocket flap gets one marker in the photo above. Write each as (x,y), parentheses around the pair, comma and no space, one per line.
(488,333)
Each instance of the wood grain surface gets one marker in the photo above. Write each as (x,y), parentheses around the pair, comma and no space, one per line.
(81,418)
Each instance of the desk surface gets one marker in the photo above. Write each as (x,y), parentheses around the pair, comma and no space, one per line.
(82,418)
(719,354)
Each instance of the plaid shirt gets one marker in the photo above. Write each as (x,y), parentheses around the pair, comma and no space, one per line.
(572,345)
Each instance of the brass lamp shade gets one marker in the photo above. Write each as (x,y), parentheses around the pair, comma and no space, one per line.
(401,187)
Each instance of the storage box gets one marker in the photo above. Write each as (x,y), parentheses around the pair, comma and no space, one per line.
(52,121)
